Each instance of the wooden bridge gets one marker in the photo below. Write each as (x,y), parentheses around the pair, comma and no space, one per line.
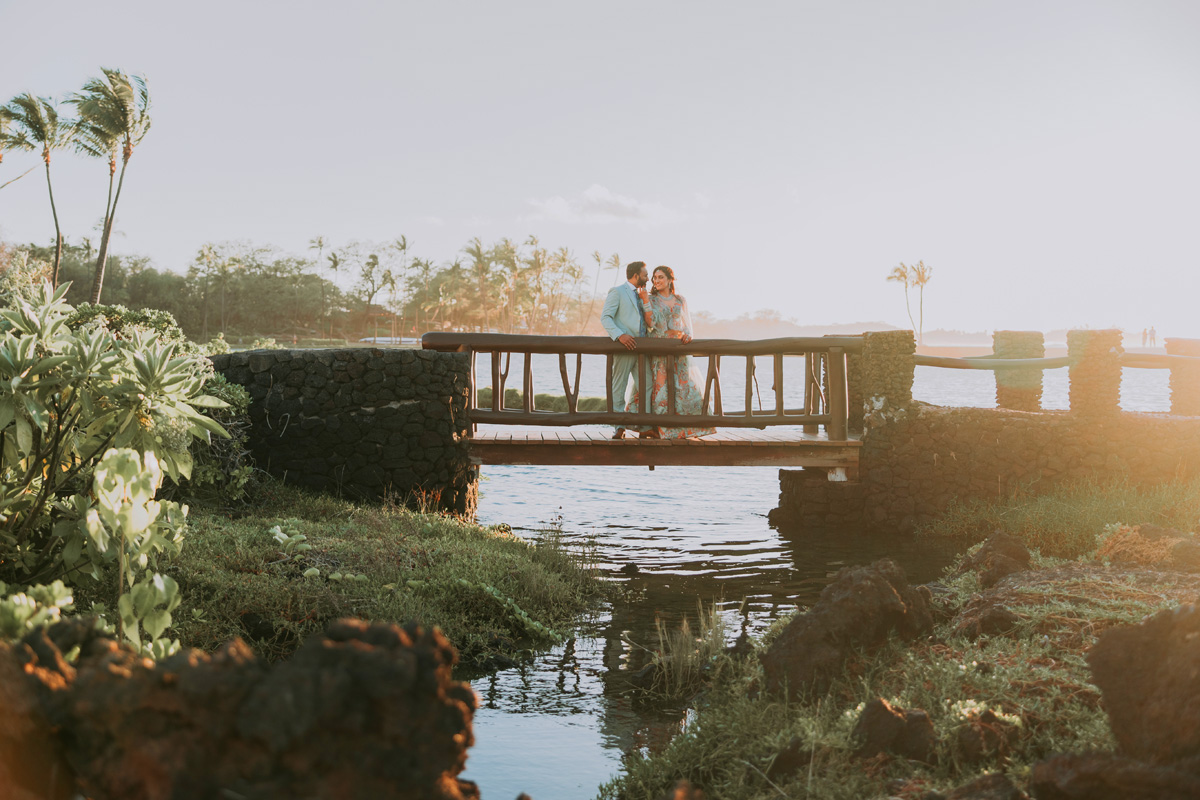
(815,435)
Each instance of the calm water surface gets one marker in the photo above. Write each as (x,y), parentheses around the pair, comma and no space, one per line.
(557,726)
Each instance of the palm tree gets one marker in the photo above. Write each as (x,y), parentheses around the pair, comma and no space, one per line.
(481,268)
(920,276)
(114,114)
(903,274)
(318,243)
(35,124)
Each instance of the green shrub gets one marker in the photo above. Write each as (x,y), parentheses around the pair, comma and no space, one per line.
(66,398)
(222,466)
(514,399)
(216,346)
(121,322)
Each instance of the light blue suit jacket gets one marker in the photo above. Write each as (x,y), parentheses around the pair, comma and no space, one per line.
(622,312)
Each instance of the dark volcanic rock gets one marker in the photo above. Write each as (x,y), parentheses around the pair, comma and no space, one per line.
(365,710)
(791,758)
(860,608)
(999,556)
(984,736)
(31,764)
(883,728)
(984,617)
(1102,776)
(1149,676)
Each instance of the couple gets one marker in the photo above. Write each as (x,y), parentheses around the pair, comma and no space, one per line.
(629,311)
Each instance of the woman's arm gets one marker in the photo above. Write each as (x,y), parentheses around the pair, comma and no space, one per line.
(687,321)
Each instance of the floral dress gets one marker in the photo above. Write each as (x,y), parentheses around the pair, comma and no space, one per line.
(669,319)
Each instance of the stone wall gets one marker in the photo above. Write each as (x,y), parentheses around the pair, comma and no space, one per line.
(912,469)
(1185,378)
(917,459)
(361,422)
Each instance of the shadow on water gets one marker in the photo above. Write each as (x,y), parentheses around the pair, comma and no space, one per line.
(556,727)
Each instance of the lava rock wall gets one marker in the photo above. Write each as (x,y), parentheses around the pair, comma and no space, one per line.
(362,422)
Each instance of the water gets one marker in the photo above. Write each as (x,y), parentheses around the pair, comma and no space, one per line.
(556,727)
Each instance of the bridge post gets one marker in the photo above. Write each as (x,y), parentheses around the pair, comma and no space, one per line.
(1185,378)
(1019,389)
(1095,371)
(887,367)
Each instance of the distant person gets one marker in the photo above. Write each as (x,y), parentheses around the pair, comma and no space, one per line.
(1144,335)
(667,317)
(1153,337)
(623,318)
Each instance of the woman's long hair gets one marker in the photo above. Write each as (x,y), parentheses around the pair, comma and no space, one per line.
(670,273)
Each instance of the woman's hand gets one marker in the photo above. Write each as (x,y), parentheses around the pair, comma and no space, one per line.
(642,294)
(685,339)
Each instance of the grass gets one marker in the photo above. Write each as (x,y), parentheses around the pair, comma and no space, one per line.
(514,399)
(1034,681)
(1064,524)
(684,660)
(492,593)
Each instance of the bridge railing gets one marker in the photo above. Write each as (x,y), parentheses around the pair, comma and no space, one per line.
(1095,359)
(825,379)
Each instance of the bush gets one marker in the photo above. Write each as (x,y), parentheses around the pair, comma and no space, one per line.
(514,399)
(66,398)
(89,424)
(222,466)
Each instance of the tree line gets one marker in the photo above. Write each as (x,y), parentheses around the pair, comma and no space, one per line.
(239,289)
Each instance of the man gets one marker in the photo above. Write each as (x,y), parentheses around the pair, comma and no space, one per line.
(623,317)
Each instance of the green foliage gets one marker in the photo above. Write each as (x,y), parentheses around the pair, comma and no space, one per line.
(124,323)
(221,467)
(394,564)
(514,399)
(67,397)
(1066,522)
(36,606)
(20,274)
(216,346)
(1035,680)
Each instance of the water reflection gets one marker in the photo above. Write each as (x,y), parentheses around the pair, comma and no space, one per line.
(556,727)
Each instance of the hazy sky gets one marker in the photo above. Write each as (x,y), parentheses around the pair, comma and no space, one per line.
(1043,157)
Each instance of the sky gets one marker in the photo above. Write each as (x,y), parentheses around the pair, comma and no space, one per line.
(1042,157)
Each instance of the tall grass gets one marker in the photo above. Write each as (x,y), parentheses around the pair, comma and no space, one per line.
(1065,523)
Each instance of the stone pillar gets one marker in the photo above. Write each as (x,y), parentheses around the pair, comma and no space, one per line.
(886,367)
(1185,378)
(1095,372)
(1019,388)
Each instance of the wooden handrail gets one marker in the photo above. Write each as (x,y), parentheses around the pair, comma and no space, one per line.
(1133,360)
(991,362)
(827,408)
(1156,360)
(600,345)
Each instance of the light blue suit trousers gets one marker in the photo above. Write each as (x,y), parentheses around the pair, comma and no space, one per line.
(622,313)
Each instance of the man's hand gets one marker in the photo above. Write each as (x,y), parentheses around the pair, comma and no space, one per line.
(628,341)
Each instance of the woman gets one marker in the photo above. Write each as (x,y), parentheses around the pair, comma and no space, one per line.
(667,317)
